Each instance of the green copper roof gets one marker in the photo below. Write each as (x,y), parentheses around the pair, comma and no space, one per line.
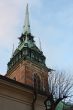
(26,40)
(63,106)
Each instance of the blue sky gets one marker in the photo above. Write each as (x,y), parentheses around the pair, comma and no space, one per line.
(51,20)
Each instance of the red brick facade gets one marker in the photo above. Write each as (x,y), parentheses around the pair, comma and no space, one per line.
(24,73)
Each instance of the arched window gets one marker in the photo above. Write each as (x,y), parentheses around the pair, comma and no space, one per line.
(37,82)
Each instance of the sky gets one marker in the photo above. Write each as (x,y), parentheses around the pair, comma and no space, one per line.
(50,20)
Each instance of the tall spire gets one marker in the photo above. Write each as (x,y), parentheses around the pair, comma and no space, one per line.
(26,28)
(13,50)
(40,45)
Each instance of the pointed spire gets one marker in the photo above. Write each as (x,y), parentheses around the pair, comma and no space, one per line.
(13,50)
(40,47)
(26,28)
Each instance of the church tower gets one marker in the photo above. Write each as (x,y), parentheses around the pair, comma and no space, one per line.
(28,61)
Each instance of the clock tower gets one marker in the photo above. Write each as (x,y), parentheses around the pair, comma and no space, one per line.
(28,61)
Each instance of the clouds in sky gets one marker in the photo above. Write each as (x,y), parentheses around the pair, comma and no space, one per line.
(50,20)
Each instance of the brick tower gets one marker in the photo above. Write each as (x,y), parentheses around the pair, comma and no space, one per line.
(28,60)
